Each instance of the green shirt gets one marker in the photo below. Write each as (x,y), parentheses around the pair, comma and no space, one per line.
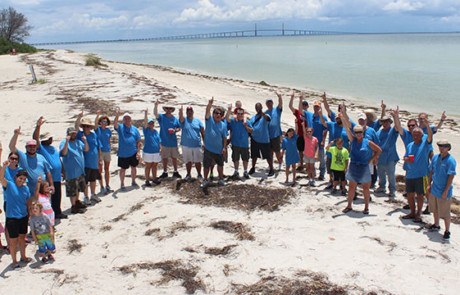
(339,158)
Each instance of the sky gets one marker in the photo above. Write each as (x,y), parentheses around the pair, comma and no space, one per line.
(78,20)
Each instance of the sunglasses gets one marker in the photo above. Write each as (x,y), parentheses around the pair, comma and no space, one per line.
(308,131)
(86,126)
(411,125)
(104,122)
(240,113)
(218,113)
(14,159)
(358,132)
(443,146)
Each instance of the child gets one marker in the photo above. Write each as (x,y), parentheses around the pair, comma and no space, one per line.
(311,153)
(339,164)
(44,198)
(151,151)
(42,232)
(289,147)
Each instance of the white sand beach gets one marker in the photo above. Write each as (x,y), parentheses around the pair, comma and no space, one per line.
(165,241)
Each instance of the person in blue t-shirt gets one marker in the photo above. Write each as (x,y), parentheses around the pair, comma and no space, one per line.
(215,142)
(274,127)
(92,156)
(104,134)
(386,165)
(289,147)
(169,126)
(129,147)
(319,125)
(260,139)
(371,118)
(18,197)
(71,151)
(35,164)
(51,154)
(416,166)
(239,135)
(151,151)
(369,134)
(442,172)
(192,133)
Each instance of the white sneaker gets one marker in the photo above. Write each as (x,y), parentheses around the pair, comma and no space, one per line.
(87,201)
(95,198)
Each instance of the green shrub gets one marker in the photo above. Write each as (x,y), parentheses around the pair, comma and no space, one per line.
(6,46)
(93,60)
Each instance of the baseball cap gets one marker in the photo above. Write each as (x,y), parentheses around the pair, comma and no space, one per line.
(317,103)
(151,120)
(126,115)
(362,116)
(31,142)
(71,130)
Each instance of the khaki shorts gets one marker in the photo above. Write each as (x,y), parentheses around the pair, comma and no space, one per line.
(169,152)
(151,158)
(440,205)
(106,157)
(192,155)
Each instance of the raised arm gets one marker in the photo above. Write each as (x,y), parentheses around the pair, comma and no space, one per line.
(65,148)
(117,115)
(280,100)
(395,115)
(346,123)
(77,121)
(321,118)
(229,111)
(155,109)
(291,102)
(146,119)
(301,98)
(96,121)
(441,121)
(14,139)
(181,114)
(384,109)
(208,108)
(36,134)
(326,105)
(2,174)
(429,131)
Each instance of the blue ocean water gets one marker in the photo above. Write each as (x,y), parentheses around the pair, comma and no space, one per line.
(418,72)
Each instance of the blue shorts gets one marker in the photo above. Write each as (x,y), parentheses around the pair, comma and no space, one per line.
(45,243)
(358,173)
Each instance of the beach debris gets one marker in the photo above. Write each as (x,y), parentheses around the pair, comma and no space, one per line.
(391,245)
(74,246)
(133,208)
(106,227)
(263,83)
(237,228)
(176,226)
(244,197)
(94,61)
(219,251)
(151,231)
(171,270)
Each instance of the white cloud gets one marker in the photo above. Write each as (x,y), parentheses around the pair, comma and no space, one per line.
(100,22)
(404,5)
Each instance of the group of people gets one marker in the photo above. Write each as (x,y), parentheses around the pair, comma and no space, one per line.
(356,154)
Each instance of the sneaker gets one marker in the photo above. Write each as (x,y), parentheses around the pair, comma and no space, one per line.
(392,195)
(271,173)
(187,177)
(76,210)
(236,174)
(95,198)
(50,257)
(426,211)
(108,189)
(147,183)
(79,204)
(312,183)
(87,201)
(221,182)
(200,177)
(176,174)
(103,191)
(434,227)
(134,184)
(61,216)
(123,188)
(252,171)
(344,192)
(246,175)
(379,190)
(406,207)
(211,176)
(164,175)
(156,181)
(334,191)
(45,260)
(446,235)
(321,178)
(329,186)
(204,184)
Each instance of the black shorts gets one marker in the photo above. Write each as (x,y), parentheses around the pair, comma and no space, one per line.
(17,226)
(415,185)
(300,144)
(338,175)
(275,144)
(240,152)
(125,163)
(209,159)
(328,165)
(258,149)
(92,175)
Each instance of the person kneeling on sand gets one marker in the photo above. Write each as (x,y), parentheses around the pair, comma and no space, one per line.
(362,152)
(215,142)
(442,172)
(42,232)
(151,151)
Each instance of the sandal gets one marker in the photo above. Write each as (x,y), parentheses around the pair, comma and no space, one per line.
(26,260)
(408,216)
(366,211)
(15,266)
(434,227)
(418,220)
(346,210)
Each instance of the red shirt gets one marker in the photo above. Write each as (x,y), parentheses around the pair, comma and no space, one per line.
(299,118)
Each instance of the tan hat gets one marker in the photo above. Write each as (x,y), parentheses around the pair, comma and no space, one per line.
(316,103)
(86,122)
(444,143)
(370,112)
(358,128)
(169,107)
(385,118)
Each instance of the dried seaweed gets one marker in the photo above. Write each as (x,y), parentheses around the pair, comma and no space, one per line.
(74,246)
(219,251)
(236,228)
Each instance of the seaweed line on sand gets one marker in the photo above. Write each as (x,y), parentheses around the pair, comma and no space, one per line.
(237,228)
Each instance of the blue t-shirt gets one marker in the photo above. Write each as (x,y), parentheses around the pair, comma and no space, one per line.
(214,135)
(441,169)
(73,161)
(360,152)
(51,155)
(35,166)
(260,129)
(191,132)
(127,140)
(419,167)
(318,128)
(240,136)
(168,140)
(104,136)
(291,154)
(332,116)
(151,141)
(433,129)
(336,131)
(274,127)
(387,142)
(11,173)
(308,118)
(375,125)
(92,155)
(371,135)
(407,138)
(16,197)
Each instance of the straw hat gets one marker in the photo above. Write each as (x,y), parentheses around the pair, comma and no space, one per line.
(86,122)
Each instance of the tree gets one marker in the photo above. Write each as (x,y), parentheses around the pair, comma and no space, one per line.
(13,25)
